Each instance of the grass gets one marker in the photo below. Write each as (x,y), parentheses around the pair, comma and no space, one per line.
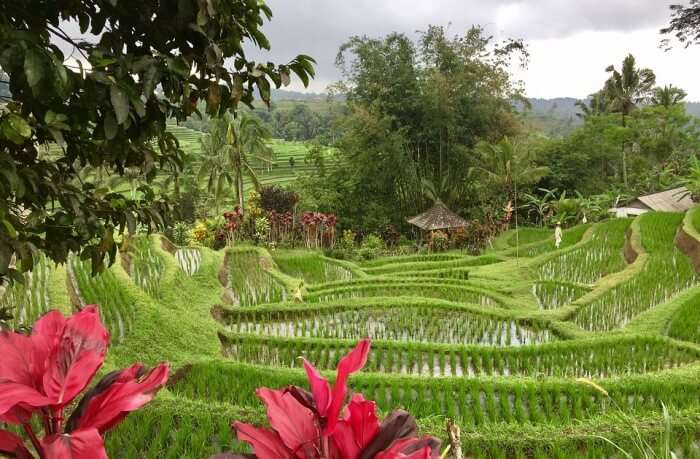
(489,341)
(666,273)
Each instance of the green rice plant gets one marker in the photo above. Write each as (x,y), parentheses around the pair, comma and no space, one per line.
(413,266)
(600,256)
(553,295)
(312,268)
(666,273)
(449,273)
(559,402)
(189,260)
(29,299)
(250,283)
(600,358)
(685,323)
(523,236)
(398,324)
(422,258)
(146,266)
(446,292)
(178,429)
(117,308)
(570,237)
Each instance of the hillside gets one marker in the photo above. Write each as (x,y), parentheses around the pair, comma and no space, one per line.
(495,342)
(554,117)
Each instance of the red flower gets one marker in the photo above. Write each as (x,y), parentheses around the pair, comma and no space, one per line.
(310,426)
(329,403)
(44,372)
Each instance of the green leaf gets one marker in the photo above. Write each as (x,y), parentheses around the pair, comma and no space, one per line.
(58,137)
(179,65)
(150,79)
(120,103)
(213,98)
(11,231)
(34,68)
(110,126)
(16,129)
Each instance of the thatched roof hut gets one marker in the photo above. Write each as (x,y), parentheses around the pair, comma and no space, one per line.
(438,217)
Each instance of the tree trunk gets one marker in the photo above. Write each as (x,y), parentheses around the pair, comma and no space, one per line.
(624,155)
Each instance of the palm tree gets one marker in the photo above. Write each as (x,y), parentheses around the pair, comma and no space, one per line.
(214,165)
(507,166)
(597,103)
(229,150)
(625,90)
(668,96)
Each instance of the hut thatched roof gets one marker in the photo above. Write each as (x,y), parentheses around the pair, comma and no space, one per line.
(438,217)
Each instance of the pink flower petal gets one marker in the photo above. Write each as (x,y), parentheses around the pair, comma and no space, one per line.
(81,444)
(293,422)
(352,362)
(77,357)
(320,388)
(124,392)
(12,444)
(266,443)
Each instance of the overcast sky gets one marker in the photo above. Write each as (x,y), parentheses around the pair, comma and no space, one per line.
(571,42)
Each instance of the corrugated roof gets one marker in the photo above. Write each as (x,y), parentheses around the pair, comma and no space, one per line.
(438,217)
(675,200)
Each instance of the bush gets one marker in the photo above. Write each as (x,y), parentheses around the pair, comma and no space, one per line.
(373,242)
(439,241)
(179,233)
(347,241)
(209,233)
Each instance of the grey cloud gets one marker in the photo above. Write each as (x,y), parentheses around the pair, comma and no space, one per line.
(319,27)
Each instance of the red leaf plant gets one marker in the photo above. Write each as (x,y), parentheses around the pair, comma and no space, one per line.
(41,374)
(318,424)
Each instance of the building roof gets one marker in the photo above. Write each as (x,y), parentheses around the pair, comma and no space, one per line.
(675,200)
(438,217)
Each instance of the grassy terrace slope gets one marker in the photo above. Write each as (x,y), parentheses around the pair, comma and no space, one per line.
(495,342)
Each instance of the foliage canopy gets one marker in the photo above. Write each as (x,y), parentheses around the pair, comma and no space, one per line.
(106,105)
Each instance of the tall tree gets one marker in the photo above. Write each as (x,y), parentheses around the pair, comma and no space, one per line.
(668,96)
(104,110)
(625,89)
(685,23)
(230,151)
(507,166)
(596,104)
(214,165)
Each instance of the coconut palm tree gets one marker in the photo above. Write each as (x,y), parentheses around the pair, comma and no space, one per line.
(625,90)
(668,96)
(214,164)
(507,165)
(229,150)
(596,104)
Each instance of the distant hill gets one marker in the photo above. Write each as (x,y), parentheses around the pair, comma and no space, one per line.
(555,117)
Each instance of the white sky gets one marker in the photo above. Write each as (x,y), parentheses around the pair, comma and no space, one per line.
(571,42)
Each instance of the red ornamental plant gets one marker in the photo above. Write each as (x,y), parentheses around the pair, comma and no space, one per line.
(281,225)
(233,222)
(41,374)
(319,229)
(318,424)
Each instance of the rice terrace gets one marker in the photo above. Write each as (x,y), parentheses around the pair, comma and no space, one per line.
(405,247)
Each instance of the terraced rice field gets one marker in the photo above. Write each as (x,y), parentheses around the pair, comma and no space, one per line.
(288,163)
(495,342)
